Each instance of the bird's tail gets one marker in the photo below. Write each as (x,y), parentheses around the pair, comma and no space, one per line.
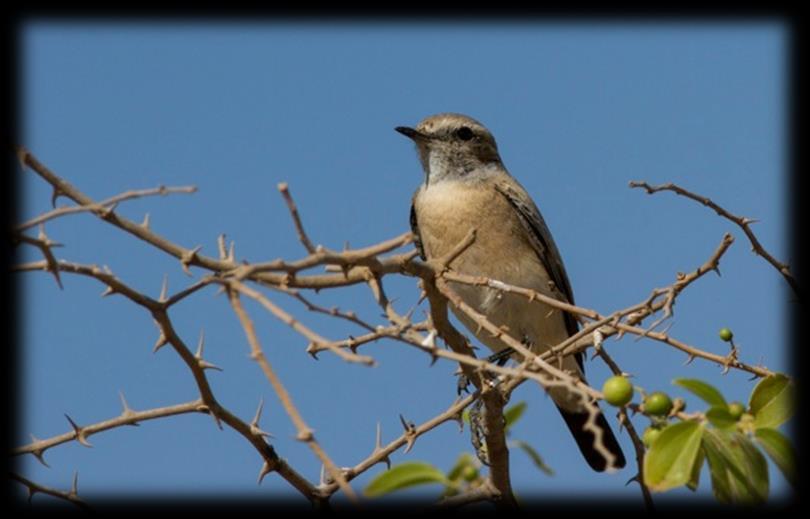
(586,439)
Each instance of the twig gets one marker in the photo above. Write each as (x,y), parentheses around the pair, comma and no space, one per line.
(638,447)
(295,324)
(104,205)
(167,335)
(62,187)
(366,257)
(483,492)
(44,245)
(114,285)
(624,420)
(495,438)
(70,496)
(743,222)
(305,434)
(127,417)
(381,453)
(350,277)
(302,235)
(334,311)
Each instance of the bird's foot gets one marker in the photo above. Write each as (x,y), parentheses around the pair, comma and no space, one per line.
(498,358)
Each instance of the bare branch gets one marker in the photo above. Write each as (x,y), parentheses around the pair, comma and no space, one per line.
(45,245)
(113,283)
(381,453)
(70,496)
(638,447)
(484,492)
(493,399)
(299,227)
(743,222)
(105,205)
(305,433)
(296,325)
(62,187)
(365,257)
(624,420)
(220,414)
(127,417)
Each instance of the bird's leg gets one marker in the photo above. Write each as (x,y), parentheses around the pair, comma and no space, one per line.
(498,358)
(478,427)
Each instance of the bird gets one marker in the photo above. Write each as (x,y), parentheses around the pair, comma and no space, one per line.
(466,186)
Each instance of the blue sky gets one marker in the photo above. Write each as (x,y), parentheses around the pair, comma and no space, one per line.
(578,111)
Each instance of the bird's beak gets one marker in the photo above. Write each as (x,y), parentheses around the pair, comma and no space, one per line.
(411,133)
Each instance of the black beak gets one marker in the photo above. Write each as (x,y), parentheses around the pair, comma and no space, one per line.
(410,133)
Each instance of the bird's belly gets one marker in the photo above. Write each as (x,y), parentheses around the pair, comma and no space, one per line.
(501,251)
(446,213)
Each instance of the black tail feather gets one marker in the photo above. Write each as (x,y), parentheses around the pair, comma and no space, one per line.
(585,439)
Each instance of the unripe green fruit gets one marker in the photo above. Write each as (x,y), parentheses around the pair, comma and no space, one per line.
(649,436)
(658,404)
(726,334)
(736,410)
(618,391)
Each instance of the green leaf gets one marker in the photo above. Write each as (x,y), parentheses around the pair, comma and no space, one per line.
(756,466)
(772,401)
(405,475)
(780,450)
(513,414)
(670,461)
(534,455)
(739,471)
(463,461)
(721,486)
(694,480)
(721,418)
(704,391)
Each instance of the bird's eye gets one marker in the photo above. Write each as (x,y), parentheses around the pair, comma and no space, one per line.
(464,133)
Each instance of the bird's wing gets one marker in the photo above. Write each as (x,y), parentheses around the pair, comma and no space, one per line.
(543,245)
(417,239)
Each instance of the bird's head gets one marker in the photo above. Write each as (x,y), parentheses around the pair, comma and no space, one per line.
(451,146)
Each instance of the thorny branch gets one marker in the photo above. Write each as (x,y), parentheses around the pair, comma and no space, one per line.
(305,434)
(127,417)
(367,266)
(70,496)
(743,222)
(105,205)
(624,421)
(494,401)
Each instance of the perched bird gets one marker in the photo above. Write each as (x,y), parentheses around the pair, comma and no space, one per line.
(466,186)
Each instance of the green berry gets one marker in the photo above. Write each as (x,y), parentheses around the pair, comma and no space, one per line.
(618,390)
(726,334)
(736,410)
(658,404)
(649,436)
